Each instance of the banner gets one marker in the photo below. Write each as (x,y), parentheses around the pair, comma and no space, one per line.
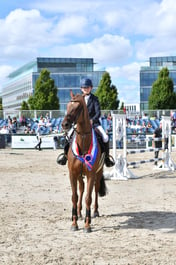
(30,141)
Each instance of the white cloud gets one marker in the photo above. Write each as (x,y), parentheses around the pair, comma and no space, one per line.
(22,33)
(23,26)
(71,25)
(126,79)
(106,50)
(156,20)
(157,46)
(119,35)
(129,71)
(126,94)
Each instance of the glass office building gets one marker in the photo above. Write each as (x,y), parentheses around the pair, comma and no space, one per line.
(66,72)
(149,74)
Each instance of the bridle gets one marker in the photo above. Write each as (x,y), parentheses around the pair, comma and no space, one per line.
(73,119)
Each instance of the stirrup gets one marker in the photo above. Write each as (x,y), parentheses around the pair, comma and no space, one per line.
(109,161)
(61,159)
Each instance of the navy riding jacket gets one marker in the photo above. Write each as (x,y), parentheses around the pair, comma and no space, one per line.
(93,106)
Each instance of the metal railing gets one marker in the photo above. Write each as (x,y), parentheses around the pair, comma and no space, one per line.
(34,114)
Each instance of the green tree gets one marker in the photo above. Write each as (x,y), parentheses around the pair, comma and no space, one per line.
(24,106)
(122,106)
(45,93)
(162,95)
(1,108)
(107,93)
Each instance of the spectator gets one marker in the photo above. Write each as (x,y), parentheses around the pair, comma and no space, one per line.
(42,121)
(8,118)
(14,125)
(28,130)
(10,125)
(23,121)
(173,119)
(149,126)
(39,139)
(109,120)
(173,116)
(157,143)
(47,118)
(4,130)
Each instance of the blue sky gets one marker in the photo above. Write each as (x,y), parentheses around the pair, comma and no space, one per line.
(119,35)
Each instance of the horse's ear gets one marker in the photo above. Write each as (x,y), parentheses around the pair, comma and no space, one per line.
(71,93)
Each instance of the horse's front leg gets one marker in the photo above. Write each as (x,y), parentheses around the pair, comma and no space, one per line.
(74,226)
(90,184)
(81,191)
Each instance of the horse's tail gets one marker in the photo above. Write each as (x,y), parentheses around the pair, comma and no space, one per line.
(103,189)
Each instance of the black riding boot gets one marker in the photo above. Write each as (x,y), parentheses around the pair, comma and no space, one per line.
(109,161)
(62,158)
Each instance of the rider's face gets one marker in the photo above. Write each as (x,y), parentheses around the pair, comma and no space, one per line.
(86,90)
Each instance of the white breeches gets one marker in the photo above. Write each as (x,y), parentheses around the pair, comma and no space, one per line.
(103,133)
(105,136)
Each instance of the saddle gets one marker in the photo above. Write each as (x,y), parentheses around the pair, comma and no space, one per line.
(99,139)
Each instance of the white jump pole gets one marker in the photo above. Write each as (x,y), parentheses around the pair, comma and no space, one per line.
(120,170)
(167,162)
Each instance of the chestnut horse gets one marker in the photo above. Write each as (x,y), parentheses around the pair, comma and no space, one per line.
(81,162)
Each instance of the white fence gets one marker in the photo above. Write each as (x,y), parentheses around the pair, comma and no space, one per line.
(121,169)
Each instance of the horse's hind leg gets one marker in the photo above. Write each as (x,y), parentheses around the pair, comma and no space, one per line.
(100,189)
(81,191)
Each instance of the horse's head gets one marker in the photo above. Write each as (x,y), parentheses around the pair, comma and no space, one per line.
(74,109)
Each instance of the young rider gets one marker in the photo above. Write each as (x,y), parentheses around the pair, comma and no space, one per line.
(93,106)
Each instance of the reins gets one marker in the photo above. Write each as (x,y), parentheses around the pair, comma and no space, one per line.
(84,134)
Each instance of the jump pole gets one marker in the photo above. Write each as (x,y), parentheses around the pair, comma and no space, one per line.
(121,170)
(167,162)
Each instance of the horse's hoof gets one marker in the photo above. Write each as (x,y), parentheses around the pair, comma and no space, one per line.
(87,229)
(96,214)
(74,228)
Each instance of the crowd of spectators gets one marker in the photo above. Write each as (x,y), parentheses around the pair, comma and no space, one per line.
(46,124)
(173,120)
